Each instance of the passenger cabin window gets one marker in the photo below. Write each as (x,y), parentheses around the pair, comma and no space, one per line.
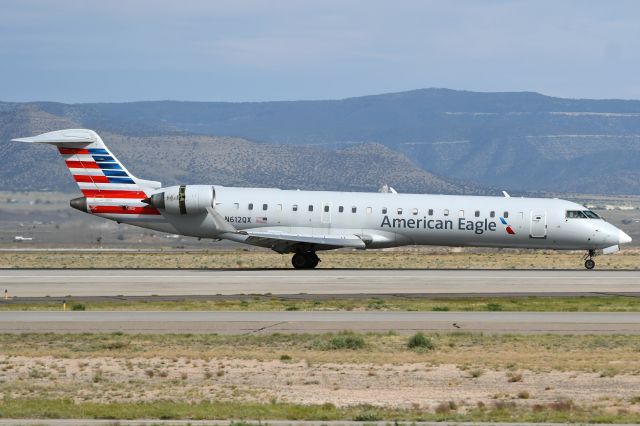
(326,209)
(264,207)
(369,210)
(399,211)
(384,210)
(446,212)
(430,212)
(341,209)
(294,207)
(492,214)
(353,209)
(505,215)
(310,207)
(236,206)
(414,211)
(250,206)
(477,213)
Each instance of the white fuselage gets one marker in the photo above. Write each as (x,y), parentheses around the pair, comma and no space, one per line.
(387,220)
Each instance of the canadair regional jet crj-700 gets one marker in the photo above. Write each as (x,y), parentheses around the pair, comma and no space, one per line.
(305,222)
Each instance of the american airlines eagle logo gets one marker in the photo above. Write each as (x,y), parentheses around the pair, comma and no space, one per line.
(509,229)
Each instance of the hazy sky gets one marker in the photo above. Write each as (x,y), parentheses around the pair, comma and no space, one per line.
(108,50)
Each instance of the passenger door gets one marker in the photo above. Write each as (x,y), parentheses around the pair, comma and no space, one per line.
(538,225)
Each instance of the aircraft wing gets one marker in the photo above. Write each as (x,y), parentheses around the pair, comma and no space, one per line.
(283,242)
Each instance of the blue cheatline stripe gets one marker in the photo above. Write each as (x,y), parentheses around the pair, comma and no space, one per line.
(110,166)
(504,222)
(109,173)
(120,180)
(99,151)
(102,158)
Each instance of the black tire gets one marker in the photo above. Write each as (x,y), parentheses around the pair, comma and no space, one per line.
(589,264)
(308,260)
(300,261)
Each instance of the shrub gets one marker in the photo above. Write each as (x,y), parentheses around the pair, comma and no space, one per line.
(476,373)
(561,405)
(346,341)
(367,416)
(285,357)
(78,307)
(504,405)
(523,394)
(440,308)
(446,407)
(494,307)
(420,341)
(514,377)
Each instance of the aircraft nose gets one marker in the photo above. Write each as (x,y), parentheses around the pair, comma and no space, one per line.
(623,238)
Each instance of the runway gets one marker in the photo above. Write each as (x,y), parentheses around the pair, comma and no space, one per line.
(62,283)
(316,322)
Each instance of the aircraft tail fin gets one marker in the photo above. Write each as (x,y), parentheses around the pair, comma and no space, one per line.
(97,172)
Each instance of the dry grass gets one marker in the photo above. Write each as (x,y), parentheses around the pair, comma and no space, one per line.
(299,303)
(397,258)
(513,353)
(464,377)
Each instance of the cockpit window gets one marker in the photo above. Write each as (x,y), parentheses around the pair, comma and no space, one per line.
(591,215)
(575,214)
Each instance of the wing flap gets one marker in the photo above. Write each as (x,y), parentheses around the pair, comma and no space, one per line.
(284,242)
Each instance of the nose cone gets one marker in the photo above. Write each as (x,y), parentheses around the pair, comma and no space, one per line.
(623,237)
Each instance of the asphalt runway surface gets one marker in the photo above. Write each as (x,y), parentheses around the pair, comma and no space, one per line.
(257,422)
(249,322)
(118,282)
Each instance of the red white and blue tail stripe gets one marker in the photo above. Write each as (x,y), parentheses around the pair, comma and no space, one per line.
(108,186)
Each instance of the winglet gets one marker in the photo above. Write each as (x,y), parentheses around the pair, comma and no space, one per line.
(506,195)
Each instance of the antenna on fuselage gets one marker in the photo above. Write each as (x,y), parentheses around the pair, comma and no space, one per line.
(386,189)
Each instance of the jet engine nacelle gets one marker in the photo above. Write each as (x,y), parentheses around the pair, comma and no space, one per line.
(183,199)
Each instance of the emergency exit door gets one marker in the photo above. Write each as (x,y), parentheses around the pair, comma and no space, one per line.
(538,225)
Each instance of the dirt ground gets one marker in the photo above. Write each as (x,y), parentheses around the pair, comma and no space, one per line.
(405,385)
(395,258)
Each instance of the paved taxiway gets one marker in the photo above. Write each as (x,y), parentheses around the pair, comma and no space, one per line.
(61,283)
(315,322)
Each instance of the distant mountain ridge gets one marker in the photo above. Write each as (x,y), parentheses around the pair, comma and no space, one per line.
(177,159)
(514,141)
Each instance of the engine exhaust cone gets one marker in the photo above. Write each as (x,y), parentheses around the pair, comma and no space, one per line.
(79,203)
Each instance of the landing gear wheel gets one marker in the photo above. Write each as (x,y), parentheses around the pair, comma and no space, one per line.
(589,262)
(299,261)
(308,260)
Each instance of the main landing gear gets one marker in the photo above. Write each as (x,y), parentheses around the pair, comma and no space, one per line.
(589,263)
(305,260)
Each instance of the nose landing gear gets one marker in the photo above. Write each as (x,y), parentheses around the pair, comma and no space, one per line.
(589,263)
(305,260)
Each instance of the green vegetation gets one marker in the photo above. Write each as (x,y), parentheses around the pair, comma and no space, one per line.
(419,341)
(605,355)
(409,303)
(501,411)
